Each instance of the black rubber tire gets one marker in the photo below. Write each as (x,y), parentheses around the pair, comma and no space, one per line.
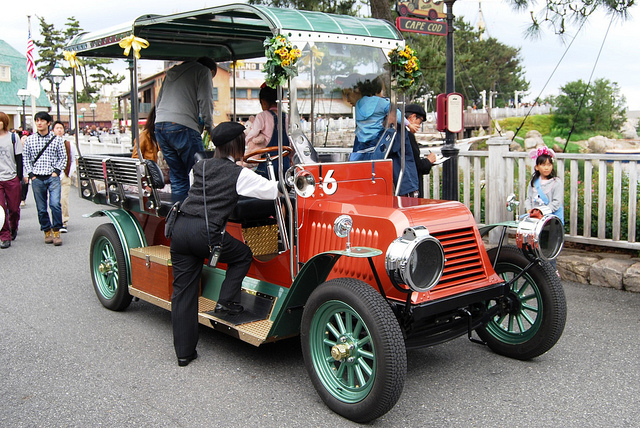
(378,345)
(546,292)
(109,269)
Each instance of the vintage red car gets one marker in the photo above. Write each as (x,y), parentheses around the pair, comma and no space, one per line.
(361,275)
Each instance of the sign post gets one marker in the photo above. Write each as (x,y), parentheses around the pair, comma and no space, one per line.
(452,102)
(450,167)
(417,25)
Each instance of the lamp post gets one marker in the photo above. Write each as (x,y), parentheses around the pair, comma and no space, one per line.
(83,110)
(69,103)
(23,94)
(450,168)
(57,75)
(93,107)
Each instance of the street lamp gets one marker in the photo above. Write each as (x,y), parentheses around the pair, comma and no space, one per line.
(69,103)
(84,122)
(93,107)
(19,110)
(23,94)
(57,75)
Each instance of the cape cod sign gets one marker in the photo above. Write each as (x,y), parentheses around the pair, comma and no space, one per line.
(416,25)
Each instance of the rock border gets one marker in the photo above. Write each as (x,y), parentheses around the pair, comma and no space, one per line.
(617,271)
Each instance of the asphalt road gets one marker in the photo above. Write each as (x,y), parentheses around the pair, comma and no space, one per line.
(67,361)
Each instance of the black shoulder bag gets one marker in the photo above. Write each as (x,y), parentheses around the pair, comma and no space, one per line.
(43,149)
(17,157)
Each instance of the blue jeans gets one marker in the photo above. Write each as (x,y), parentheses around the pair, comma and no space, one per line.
(43,190)
(179,145)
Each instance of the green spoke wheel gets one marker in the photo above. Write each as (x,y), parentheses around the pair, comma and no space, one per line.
(353,349)
(524,319)
(532,314)
(342,351)
(108,268)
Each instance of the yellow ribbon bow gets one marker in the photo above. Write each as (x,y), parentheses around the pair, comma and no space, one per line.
(316,55)
(71,57)
(237,64)
(137,43)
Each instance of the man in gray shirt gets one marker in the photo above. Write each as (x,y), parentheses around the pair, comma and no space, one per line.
(183,109)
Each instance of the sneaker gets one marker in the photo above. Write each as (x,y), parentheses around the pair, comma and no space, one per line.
(5,244)
(57,241)
(14,233)
(63,229)
(48,236)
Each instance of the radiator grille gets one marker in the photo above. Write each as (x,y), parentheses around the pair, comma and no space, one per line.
(463,263)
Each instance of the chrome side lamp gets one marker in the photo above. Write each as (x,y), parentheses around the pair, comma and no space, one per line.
(342,228)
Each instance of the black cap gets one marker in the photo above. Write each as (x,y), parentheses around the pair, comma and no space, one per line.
(415,109)
(226,132)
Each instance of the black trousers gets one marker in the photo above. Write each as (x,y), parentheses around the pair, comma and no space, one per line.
(189,248)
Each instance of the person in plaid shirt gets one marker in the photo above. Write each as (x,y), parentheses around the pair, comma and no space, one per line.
(45,157)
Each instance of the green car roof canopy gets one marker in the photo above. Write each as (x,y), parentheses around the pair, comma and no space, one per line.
(232,32)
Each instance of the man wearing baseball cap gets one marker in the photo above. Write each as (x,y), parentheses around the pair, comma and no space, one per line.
(415,115)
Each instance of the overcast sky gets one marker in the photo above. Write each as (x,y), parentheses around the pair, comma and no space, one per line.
(619,61)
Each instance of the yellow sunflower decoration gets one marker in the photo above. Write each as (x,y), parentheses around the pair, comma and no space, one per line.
(282,58)
(405,68)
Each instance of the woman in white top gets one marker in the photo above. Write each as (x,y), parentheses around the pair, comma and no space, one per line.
(10,178)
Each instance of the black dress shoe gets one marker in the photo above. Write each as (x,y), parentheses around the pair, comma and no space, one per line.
(14,233)
(231,308)
(5,244)
(186,360)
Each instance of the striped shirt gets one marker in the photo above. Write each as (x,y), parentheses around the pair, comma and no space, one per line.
(53,159)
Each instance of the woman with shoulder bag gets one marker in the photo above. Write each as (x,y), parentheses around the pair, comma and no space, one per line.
(199,233)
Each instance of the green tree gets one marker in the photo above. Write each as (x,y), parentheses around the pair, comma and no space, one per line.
(93,72)
(559,14)
(480,64)
(48,49)
(597,107)
(571,107)
(607,108)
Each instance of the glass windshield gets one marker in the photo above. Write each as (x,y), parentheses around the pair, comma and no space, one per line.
(324,94)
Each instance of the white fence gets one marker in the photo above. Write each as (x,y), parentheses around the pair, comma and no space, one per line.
(105,143)
(522,111)
(601,191)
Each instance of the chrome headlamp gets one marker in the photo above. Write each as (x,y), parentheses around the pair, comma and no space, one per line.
(415,259)
(304,182)
(541,237)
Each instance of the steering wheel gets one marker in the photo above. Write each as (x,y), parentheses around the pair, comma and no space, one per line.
(286,151)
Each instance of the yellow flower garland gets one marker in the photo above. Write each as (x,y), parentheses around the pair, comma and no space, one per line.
(405,68)
(282,58)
